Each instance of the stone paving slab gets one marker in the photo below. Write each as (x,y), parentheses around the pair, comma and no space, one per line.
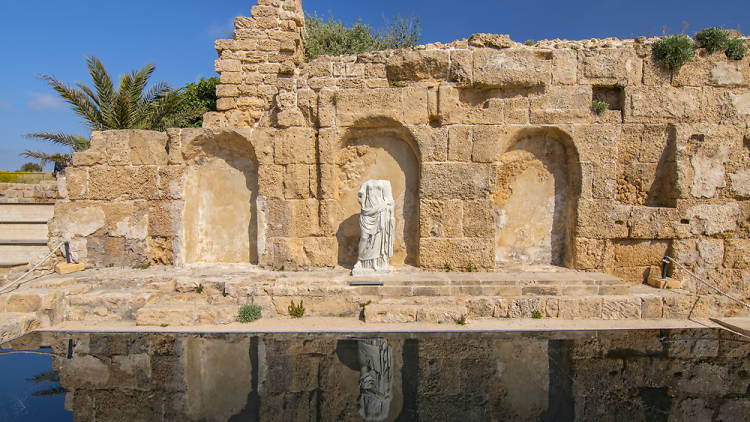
(184,296)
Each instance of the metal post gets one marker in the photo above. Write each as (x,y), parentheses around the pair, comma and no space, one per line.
(664,266)
(67,252)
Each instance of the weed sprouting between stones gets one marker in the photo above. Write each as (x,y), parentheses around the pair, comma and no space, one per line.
(296,311)
(536,314)
(674,50)
(599,107)
(248,313)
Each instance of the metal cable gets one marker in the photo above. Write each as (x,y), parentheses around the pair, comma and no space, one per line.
(707,283)
(7,288)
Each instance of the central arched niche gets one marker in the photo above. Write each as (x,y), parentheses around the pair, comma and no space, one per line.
(534,200)
(219,221)
(386,153)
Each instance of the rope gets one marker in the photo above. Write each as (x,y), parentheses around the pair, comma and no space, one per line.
(707,283)
(7,288)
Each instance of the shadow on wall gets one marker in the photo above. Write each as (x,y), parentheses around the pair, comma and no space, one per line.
(377,154)
(221,192)
(535,199)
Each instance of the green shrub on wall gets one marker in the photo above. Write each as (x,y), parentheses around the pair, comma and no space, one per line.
(735,49)
(674,50)
(713,39)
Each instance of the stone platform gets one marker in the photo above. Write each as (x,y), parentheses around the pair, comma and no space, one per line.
(211,295)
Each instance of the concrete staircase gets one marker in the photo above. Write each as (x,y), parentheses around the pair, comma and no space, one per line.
(23,233)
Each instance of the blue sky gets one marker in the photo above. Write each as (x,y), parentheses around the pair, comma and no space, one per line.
(53,37)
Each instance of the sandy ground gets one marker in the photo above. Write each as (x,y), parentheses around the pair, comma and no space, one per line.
(345,325)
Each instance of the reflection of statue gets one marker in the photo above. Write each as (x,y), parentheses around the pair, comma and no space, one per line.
(377,224)
(375,378)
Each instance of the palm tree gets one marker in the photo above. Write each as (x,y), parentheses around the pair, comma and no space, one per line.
(128,106)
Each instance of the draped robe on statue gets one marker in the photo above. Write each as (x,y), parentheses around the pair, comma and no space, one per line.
(377,224)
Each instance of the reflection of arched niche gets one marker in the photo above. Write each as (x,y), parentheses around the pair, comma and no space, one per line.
(534,202)
(371,155)
(220,216)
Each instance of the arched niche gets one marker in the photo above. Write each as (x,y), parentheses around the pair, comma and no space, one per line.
(381,153)
(534,202)
(219,222)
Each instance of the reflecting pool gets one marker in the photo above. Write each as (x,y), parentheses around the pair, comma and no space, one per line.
(633,375)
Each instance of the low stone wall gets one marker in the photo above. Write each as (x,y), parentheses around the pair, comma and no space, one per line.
(17,193)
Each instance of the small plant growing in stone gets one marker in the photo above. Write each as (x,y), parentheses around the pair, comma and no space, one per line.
(361,305)
(163,325)
(470,267)
(447,267)
(674,50)
(398,84)
(530,42)
(713,39)
(461,320)
(296,311)
(109,265)
(599,107)
(735,49)
(248,313)
(142,266)
(334,99)
(536,314)
(199,289)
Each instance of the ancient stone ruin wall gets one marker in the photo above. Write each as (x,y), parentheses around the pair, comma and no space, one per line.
(28,193)
(491,147)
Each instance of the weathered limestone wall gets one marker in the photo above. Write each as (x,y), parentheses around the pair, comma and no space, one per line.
(495,157)
(24,193)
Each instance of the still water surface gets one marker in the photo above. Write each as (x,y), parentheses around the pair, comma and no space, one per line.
(650,375)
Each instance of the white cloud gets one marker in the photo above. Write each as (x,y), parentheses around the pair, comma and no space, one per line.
(44,101)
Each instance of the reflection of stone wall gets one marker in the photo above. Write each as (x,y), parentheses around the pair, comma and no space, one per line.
(698,374)
(662,171)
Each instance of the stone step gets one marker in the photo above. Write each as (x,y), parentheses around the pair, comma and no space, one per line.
(24,231)
(26,213)
(106,305)
(16,324)
(11,253)
(186,314)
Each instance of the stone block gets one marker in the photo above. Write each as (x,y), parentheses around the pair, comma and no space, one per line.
(651,307)
(456,181)
(164,218)
(458,253)
(580,308)
(564,67)
(737,253)
(417,65)
(171,182)
(67,268)
(298,182)
(271,180)
(461,68)
(278,218)
(305,218)
(432,142)
(562,104)
(596,143)
(741,183)
(653,222)
(489,143)
(711,219)
(459,143)
(294,146)
(479,219)
(602,219)
(321,252)
(366,108)
(390,313)
(593,254)
(612,65)
(727,74)
(415,105)
(511,68)
(137,182)
(664,103)
(621,308)
(633,253)
(79,218)
(76,182)
(441,218)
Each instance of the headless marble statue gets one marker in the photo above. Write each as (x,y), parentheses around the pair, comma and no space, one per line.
(377,224)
